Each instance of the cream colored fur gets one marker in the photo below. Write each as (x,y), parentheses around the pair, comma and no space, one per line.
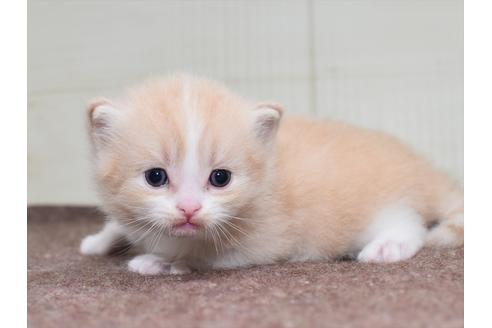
(301,189)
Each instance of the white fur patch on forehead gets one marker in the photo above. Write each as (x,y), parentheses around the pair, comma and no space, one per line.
(193,129)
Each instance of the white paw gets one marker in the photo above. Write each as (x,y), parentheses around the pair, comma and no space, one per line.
(179,268)
(149,264)
(386,251)
(94,245)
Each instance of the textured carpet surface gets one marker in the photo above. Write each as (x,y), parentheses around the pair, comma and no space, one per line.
(66,289)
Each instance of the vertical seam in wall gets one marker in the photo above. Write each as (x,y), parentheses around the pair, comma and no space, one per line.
(311,58)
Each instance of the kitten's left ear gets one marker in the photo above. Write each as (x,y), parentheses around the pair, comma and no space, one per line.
(266,120)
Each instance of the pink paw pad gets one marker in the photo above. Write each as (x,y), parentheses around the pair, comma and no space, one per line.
(387,252)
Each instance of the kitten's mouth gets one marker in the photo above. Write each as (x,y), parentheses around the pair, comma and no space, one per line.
(185,229)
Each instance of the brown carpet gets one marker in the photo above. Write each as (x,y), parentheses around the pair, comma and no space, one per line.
(66,289)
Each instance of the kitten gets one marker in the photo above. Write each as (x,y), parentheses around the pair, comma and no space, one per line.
(198,178)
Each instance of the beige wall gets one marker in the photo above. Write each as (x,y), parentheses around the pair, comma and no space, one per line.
(394,65)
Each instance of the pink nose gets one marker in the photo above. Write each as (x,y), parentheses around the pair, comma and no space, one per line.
(188,207)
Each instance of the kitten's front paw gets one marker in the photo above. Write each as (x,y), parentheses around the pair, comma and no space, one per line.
(94,245)
(387,251)
(179,268)
(149,264)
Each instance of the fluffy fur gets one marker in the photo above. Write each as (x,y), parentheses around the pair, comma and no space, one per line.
(301,190)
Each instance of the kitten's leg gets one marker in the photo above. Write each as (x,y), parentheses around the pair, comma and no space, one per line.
(397,233)
(104,241)
(450,230)
(150,264)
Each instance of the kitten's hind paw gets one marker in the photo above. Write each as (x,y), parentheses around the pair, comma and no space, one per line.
(396,234)
(388,251)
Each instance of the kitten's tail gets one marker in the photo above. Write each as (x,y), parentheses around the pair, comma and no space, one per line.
(449,232)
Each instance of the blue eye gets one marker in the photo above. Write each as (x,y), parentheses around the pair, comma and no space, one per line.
(219,178)
(156,177)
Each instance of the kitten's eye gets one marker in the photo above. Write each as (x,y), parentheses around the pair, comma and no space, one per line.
(156,177)
(220,178)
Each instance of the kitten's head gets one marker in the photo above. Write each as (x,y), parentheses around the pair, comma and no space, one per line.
(184,155)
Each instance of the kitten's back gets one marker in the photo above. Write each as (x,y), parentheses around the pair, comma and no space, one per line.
(334,176)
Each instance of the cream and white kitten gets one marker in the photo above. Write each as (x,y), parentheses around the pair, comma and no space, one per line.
(199,178)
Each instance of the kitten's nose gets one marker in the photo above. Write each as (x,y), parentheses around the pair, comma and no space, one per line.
(188,207)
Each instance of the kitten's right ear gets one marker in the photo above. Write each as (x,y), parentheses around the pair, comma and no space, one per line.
(102,115)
